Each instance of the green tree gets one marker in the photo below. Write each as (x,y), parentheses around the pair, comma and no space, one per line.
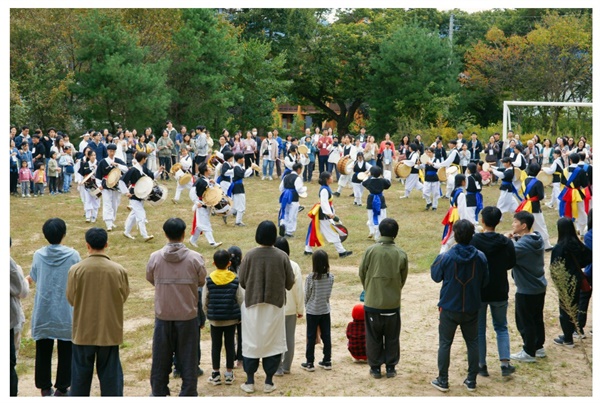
(414,80)
(42,66)
(261,84)
(206,58)
(114,84)
(553,62)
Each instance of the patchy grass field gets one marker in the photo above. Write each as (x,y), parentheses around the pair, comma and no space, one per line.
(563,373)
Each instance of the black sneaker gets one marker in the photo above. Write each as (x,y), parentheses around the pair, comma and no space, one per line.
(325,365)
(281,230)
(215,378)
(47,392)
(336,194)
(560,340)
(390,371)
(375,373)
(434,209)
(306,253)
(308,366)
(440,385)
(428,206)
(483,371)
(507,370)
(470,385)
(300,208)
(344,254)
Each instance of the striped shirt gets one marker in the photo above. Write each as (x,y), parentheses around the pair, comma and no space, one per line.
(317,294)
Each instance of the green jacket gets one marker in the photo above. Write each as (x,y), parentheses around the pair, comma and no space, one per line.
(382,273)
(164,142)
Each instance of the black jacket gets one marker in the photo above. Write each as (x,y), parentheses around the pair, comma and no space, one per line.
(500,254)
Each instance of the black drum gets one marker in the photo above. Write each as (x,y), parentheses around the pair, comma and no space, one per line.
(155,195)
(223,207)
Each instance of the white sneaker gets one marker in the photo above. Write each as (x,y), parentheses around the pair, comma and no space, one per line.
(87,220)
(126,235)
(216,244)
(262,178)
(194,244)
(247,387)
(270,178)
(540,353)
(108,229)
(522,356)
(93,219)
(579,336)
(22,195)
(269,388)
(148,238)
(403,197)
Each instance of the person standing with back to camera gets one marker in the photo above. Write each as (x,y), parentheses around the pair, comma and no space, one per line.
(383,273)
(265,274)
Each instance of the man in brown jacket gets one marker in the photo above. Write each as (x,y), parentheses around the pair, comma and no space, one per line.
(97,288)
(176,272)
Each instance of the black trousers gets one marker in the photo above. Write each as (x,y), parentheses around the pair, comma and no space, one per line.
(270,365)
(323,163)
(312,323)
(14,380)
(14,179)
(308,172)
(43,364)
(383,338)
(108,367)
(181,338)
(238,333)
(217,334)
(584,303)
(449,321)
(248,158)
(567,324)
(529,316)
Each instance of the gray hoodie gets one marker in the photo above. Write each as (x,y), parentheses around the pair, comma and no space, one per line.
(528,272)
(176,273)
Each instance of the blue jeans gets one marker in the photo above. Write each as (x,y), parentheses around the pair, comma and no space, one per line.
(498,310)
(67,182)
(108,367)
(268,167)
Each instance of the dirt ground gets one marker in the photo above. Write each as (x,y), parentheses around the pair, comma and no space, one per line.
(563,373)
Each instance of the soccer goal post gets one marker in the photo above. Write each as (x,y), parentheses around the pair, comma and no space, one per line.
(506,125)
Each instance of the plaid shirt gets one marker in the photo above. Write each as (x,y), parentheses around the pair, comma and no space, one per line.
(357,344)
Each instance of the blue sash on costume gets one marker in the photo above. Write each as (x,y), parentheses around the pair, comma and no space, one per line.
(219,180)
(561,203)
(230,190)
(376,205)
(529,187)
(286,198)
(513,189)
(285,172)
(479,206)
